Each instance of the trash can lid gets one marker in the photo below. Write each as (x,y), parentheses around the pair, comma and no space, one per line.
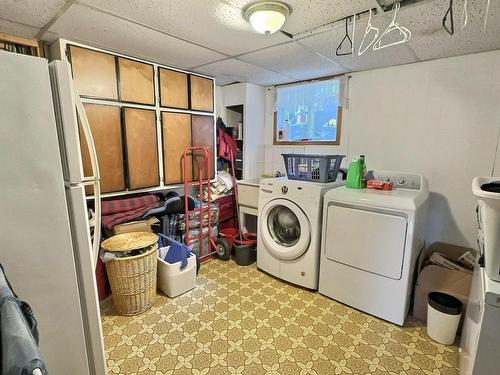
(493,187)
(445,303)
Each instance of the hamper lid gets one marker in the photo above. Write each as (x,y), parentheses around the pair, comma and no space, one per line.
(129,241)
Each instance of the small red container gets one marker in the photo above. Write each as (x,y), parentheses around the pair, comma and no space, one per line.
(228,234)
(247,239)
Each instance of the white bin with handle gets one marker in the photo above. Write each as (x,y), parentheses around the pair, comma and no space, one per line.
(443,316)
(172,280)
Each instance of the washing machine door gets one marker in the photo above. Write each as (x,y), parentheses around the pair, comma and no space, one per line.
(284,229)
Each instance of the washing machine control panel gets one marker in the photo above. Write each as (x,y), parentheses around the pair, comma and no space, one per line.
(299,192)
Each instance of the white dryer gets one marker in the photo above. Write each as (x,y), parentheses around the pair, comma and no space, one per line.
(371,240)
(289,229)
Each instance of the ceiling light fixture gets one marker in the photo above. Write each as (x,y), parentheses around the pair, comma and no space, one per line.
(267,17)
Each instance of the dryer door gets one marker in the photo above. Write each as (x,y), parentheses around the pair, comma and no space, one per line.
(372,241)
(284,229)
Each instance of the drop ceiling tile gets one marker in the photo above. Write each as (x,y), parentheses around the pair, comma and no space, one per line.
(103,30)
(222,80)
(243,72)
(29,12)
(18,29)
(327,42)
(430,40)
(216,24)
(294,60)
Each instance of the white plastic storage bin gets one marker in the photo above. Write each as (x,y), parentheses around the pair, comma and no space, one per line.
(171,279)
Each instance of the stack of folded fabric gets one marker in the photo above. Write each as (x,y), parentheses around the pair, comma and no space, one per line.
(121,210)
(221,187)
(194,226)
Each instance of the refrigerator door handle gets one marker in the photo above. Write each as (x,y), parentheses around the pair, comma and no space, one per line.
(95,179)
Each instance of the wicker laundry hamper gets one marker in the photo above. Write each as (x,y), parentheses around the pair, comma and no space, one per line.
(133,278)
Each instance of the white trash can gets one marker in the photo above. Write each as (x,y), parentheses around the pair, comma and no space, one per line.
(443,316)
(172,280)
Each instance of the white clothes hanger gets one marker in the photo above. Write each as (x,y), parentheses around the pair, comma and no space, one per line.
(403,31)
(369,28)
(465,15)
(486,15)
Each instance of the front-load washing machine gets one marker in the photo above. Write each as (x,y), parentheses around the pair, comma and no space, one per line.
(289,229)
(370,244)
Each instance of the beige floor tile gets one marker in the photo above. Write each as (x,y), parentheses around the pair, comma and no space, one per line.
(239,320)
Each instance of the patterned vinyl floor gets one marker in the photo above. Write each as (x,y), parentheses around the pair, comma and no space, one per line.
(239,320)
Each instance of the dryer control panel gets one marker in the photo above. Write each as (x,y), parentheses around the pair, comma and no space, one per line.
(399,179)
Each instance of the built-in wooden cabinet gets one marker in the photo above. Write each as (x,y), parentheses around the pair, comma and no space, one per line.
(141,148)
(21,45)
(176,129)
(94,73)
(202,93)
(136,81)
(105,124)
(202,129)
(130,104)
(173,89)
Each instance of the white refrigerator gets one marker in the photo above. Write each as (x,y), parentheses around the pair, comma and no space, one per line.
(46,247)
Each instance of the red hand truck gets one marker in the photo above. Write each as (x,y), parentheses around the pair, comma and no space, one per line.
(216,246)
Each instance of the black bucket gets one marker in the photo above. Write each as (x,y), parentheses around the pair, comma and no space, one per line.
(245,250)
(244,255)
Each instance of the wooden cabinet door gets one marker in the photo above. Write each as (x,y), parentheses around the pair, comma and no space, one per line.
(141,147)
(136,82)
(176,137)
(94,73)
(173,89)
(202,128)
(202,94)
(106,130)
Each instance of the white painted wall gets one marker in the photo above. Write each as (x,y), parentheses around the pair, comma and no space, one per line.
(253,124)
(440,118)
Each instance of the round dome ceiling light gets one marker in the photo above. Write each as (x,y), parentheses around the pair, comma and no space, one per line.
(267,17)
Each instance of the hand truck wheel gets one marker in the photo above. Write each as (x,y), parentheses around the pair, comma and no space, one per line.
(222,249)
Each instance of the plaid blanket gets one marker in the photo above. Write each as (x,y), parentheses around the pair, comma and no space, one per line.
(117,211)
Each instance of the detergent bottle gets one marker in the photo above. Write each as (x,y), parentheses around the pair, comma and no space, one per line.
(356,174)
(365,171)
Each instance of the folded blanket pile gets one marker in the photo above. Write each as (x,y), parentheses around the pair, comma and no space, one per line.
(120,210)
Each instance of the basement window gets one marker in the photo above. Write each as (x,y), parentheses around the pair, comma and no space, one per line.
(308,113)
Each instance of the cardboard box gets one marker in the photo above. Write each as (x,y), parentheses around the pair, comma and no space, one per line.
(136,226)
(432,278)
